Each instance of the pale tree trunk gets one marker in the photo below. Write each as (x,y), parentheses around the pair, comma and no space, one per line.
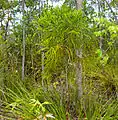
(7,26)
(42,61)
(23,37)
(78,63)
(79,73)
(78,4)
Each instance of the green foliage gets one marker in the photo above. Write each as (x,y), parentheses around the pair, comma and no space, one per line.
(63,30)
(52,36)
(24,103)
(94,110)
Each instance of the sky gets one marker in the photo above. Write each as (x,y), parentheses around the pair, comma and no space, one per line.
(18,16)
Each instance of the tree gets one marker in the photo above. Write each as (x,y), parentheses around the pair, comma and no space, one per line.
(79,64)
(23,58)
(79,4)
(61,41)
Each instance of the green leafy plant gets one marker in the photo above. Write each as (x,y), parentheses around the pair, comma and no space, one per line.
(30,109)
(23,103)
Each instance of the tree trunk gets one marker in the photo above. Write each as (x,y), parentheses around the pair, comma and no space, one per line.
(78,63)
(42,61)
(79,73)
(23,58)
(78,4)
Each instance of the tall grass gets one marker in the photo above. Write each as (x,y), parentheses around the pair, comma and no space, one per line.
(33,102)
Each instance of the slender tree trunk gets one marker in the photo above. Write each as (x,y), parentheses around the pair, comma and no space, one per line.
(79,73)
(42,61)
(7,26)
(78,4)
(79,64)
(23,37)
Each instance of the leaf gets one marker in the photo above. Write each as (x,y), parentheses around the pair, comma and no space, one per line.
(0,36)
(99,52)
(49,116)
(46,103)
(99,33)
(74,32)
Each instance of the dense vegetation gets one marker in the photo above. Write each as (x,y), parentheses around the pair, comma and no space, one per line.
(59,62)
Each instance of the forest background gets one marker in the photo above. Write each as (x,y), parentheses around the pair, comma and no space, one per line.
(59,62)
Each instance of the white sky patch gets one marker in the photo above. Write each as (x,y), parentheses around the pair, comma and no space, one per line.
(18,16)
